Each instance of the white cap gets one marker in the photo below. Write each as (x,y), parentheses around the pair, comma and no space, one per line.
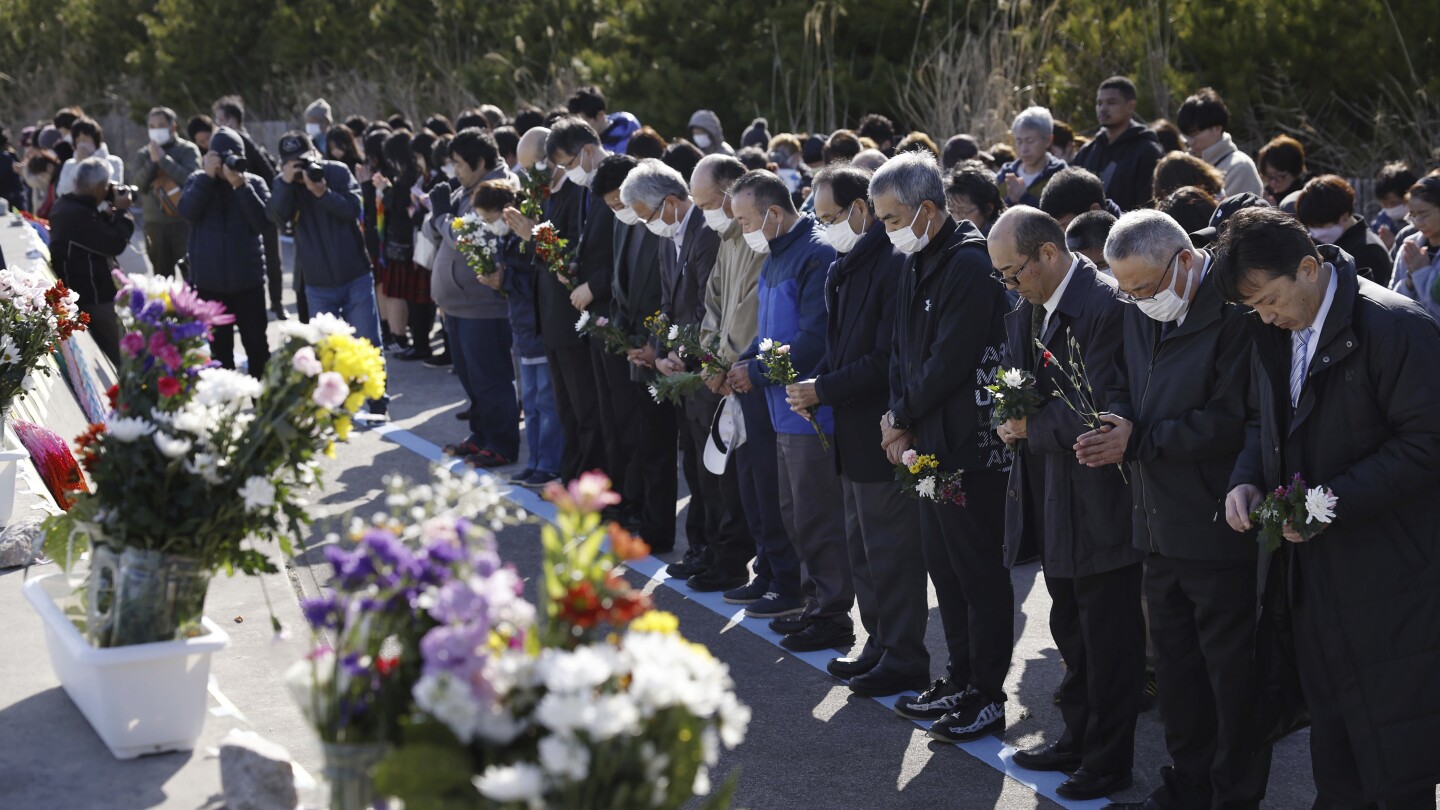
(727,432)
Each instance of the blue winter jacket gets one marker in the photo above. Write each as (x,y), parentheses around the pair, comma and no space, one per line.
(226,251)
(792,310)
(328,241)
(518,283)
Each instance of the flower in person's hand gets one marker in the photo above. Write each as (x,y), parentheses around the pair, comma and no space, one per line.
(1013,378)
(783,348)
(1320,505)
(306,362)
(330,390)
(908,458)
(766,345)
(926,487)
(583,321)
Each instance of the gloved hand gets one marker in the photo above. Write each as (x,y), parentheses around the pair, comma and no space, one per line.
(440,204)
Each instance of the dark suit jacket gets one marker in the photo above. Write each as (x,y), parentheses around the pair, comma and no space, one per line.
(636,289)
(1083,519)
(854,376)
(554,313)
(1366,427)
(683,277)
(595,255)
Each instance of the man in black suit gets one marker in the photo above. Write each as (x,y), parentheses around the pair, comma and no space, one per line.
(882,525)
(1346,380)
(1079,517)
(1178,420)
(661,199)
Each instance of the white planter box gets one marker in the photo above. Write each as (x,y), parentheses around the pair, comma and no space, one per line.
(141,699)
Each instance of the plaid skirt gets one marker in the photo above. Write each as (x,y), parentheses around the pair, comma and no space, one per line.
(405,280)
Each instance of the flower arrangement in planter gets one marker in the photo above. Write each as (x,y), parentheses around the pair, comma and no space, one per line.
(195,459)
(593,700)
(35,317)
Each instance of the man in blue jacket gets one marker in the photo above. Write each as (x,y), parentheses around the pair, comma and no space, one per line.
(226,212)
(329,244)
(792,311)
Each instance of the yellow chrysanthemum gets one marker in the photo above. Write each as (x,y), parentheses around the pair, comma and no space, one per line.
(923,463)
(656,621)
(457,223)
(165,296)
(355,359)
(330,450)
(342,427)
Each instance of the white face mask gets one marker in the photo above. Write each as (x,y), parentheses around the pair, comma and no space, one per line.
(1326,234)
(756,239)
(160,136)
(1396,213)
(905,240)
(661,228)
(627,215)
(1167,305)
(702,140)
(840,236)
(577,174)
(313,130)
(499,227)
(717,221)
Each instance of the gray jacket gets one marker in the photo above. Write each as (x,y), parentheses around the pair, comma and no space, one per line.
(328,241)
(453,284)
(180,158)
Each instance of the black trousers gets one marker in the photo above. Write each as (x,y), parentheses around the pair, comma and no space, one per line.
(578,406)
(104,329)
(1202,623)
(964,550)
(274,270)
(248,307)
(703,515)
(653,467)
(619,409)
(1096,623)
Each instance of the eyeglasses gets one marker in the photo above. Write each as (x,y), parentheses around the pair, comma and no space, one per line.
(571,163)
(1418,215)
(1134,299)
(1013,280)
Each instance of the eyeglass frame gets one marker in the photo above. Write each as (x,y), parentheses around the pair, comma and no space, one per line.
(1159,285)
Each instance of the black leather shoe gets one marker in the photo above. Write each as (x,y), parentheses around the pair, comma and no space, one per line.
(787,625)
(849,667)
(882,681)
(714,579)
(821,635)
(1086,785)
(1048,758)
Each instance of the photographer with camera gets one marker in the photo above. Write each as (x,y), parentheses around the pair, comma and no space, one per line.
(225,206)
(322,199)
(89,228)
(159,169)
(229,113)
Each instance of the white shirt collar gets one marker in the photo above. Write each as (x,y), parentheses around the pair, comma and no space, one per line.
(1318,325)
(679,236)
(1053,301)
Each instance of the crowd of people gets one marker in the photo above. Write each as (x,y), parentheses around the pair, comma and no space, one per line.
(898,276)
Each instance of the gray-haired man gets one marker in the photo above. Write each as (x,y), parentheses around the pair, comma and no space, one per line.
(86,234)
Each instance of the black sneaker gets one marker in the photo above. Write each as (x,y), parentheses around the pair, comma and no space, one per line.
(941,698)
(688,566)
(772,606)
(714,579)
(789,625)
(440,360)
(745,594)
(825,634)
(977,716)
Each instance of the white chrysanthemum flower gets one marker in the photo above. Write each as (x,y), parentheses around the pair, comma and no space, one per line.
(565,757)
(766,345)
(701,786)
(521,783)
(654,392)
(734,720)
(128,428)
(926,487)
(450,701)
(172,446)
(1013,378)
(195,420)
(327,324)
(207,466)
(9,354)
(584,319)
(674,333)
(614,715)
(258,494)
(225,387)
(580,670)
(1320,505)
(565,713)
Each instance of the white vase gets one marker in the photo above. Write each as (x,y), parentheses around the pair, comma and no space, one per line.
(11,454)
(141,699)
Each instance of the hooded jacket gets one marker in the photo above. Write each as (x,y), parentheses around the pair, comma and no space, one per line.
(1126,167)
(1031,197)
(226,248)
(1241,176)
(708,121)
(949,331)
(328,240)
(453,284)
(792,310)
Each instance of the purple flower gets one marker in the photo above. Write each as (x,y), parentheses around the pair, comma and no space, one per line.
(153,314)
(137,301)
(323,612)
(187,331)
(189,304)
(457,650)
(457,602)
(353,569)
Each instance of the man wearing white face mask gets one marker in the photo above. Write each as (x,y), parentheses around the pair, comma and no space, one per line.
(948,336)
(160,169)
(1178,421)
(317,122)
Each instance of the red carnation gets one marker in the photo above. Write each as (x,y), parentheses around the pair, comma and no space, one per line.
(169,387)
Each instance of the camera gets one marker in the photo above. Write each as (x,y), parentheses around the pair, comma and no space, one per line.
(233,162)
(129,191)
(313,170)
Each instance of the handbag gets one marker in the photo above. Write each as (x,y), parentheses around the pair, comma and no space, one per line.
(167,194)
(425,247)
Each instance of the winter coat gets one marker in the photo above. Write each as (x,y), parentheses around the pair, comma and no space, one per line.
(854,376)
(1365,427)
(595,255)
(1126,167)
(731,306)
(556,316)
(1372,259)
(178,160)
(1423,279)
(329,243)
(226,250)
(949,331)
(66,183)
(83,245)
(453,284)
(1185,394)
(1241,176)
(1085,516)
(710,122)
(1053,165)
(518,281)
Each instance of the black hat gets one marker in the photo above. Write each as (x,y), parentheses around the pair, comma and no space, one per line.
(224,142)
(1227,206)
(295,144)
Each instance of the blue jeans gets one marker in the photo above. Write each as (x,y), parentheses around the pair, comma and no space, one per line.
(353,302)
(542,422)
(480,353)
(776,563)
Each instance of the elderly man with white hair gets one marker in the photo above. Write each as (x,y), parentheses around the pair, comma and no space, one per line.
(1178,416)
(949,331)
(89,227)
(1023,179)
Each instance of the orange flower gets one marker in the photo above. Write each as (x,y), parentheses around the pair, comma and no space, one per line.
(626,545)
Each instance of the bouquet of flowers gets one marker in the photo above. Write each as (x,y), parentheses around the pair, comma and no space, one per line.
(555,253)
(479,248)
(1014,394)
(1307,510)
(534,191)
(1082,402)
(665,332)
(706,351)
(778,370)
(594,701)
(194,459)
(674,387)
(35,316)
(921,477)
(616,340)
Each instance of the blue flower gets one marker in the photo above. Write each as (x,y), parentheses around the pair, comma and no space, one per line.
(323,612)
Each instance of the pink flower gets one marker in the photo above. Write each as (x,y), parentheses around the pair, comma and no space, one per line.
(330,390)
(602,321)
(188,303)
(783,348)
(590,492)
(305,362)
(908,457)
(158,341)
(133,343)
(170,356)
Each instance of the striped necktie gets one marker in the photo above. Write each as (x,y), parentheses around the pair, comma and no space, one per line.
(1298,355)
